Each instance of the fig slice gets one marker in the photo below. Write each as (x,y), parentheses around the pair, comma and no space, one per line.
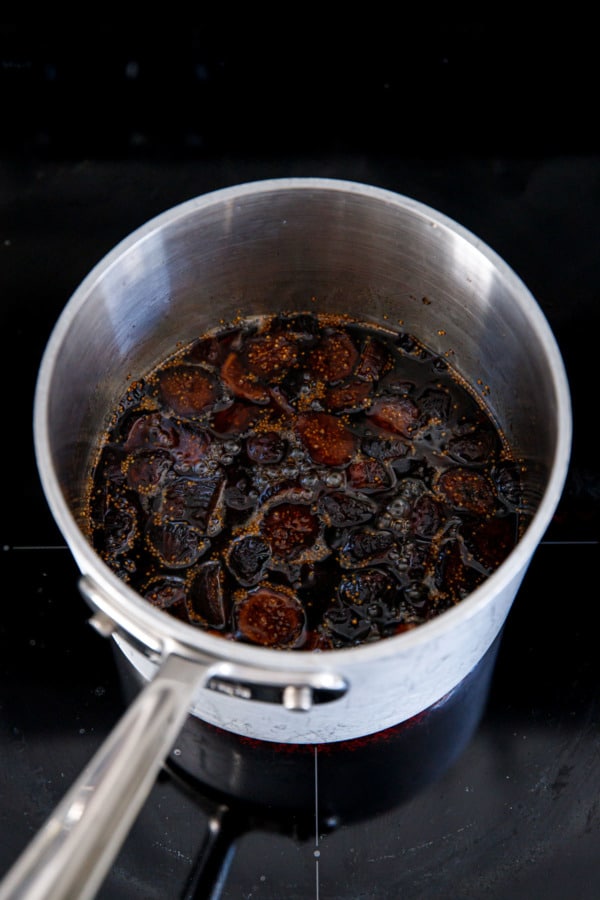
(396,414)
(468,490)
(187,390)
(342,509)
(334,357)
(271,616)
(241,382)
(205,601)
(247,558)
(365,547)
(267,447)
(146,471)
(367,474)
(352,396)
(120,526)
(193,500)
(374,360)
(270,356)
(176,544)
(151,431)
(327,439)
(165,592)
(235,419)
(290,529)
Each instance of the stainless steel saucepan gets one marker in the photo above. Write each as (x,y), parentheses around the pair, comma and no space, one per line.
(263,247)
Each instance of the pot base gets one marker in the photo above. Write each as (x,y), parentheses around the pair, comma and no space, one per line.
(337,781)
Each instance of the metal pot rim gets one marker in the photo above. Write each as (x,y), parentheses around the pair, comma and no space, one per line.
(159,628)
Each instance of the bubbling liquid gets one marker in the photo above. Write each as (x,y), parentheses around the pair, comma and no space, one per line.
(304,481)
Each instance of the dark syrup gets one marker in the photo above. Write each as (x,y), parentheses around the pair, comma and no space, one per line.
(303,481)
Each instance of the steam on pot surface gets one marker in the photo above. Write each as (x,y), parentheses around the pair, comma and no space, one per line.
(306,481)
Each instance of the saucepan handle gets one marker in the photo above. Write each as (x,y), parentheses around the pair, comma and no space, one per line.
(71,854)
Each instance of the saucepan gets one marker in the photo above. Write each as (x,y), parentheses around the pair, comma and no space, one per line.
(262,247)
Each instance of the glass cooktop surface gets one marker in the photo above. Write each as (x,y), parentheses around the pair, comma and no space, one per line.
(517,814)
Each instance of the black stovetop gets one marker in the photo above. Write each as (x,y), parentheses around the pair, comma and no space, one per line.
(518,815)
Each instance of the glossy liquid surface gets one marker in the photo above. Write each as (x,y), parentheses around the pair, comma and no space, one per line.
(304,482)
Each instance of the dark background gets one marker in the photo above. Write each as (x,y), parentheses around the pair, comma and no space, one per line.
(494,123)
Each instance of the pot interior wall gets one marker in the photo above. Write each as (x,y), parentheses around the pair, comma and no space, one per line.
(204,263)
